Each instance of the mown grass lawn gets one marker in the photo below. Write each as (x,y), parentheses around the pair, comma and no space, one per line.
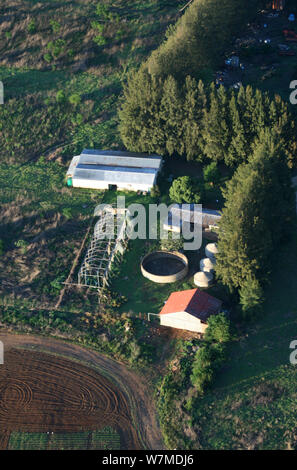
(143,295)
(252,403)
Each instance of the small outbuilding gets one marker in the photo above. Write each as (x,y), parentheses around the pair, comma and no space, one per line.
(193,214)
(106,169)
(203,279)
(189,310)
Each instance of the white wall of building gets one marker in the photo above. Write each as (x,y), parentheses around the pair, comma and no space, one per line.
(183,321)
(97,184)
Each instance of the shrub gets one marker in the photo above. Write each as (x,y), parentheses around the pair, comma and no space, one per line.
(155,191)
(207,360)
(202,371)
(56,47)
(218,329)
(172,244)
(31,28)
(75,99)
(55,26)
(67,212)
(60,96)
(185,190)
(98,39)
(211,173)
(102,11)
(56,284)
(77,119)
(23,245)
(48,57)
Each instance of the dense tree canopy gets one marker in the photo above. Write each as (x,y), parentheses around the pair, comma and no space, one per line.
(199,38)
(258,208)
(189,120)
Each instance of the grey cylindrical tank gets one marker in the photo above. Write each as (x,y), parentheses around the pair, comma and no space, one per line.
(211,250)
(203,279)
(207,265)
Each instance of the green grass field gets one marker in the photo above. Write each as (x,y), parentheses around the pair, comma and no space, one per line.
(104,439)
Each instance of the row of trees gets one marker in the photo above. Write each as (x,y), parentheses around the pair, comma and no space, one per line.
(201,122)
(257,217)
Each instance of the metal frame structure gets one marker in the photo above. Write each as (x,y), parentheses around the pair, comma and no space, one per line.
(109,239)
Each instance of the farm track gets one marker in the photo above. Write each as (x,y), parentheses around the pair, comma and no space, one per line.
(51,385)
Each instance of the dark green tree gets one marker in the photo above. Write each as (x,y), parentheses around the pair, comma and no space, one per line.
(258,210)
(211,173)
(141,126)
(194,107)
(251,297)
(172,114)
(215,127)
(185,190)
(237,151)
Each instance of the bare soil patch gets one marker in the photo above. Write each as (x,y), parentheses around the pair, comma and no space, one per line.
(42,392)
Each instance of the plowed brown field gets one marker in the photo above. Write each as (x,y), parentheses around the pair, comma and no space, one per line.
(42,392)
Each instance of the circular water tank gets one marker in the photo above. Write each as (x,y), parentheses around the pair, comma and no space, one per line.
(211,250)
(164,266)
(207,265)
(203,279)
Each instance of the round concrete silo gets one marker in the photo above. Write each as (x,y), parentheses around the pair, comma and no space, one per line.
(207,265)
(211,250)
(203,279)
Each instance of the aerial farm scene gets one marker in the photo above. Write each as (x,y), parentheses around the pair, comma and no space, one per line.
(148,255)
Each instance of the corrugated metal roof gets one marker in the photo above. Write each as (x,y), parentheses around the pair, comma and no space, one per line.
(119,153)
(117,158)
(193,301)
(111,169)
(115,167)
(188,211)
(114,176)
(177,215)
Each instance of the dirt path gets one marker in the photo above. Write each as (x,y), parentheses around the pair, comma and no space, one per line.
(133,386)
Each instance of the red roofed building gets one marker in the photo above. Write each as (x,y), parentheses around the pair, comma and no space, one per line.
(189,310)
